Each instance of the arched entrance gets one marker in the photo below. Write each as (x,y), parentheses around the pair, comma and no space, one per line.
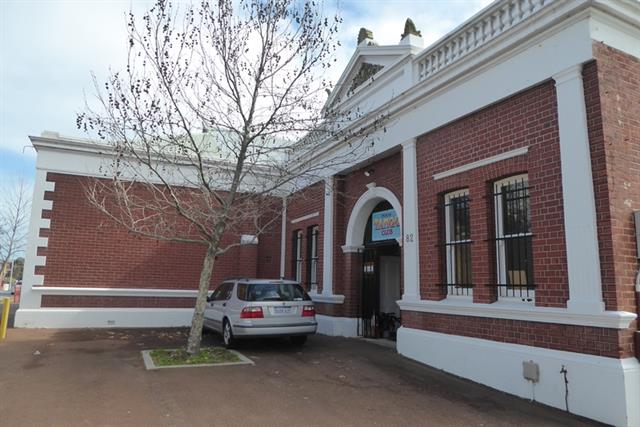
(375,229)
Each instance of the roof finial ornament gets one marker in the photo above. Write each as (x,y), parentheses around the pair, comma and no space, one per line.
(409,28)
(364,34)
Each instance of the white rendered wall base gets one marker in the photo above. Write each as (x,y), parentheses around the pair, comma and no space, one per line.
(337,326)
(600,388)
(103,317)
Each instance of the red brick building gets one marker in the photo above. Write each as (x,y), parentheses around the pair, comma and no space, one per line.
(493,220)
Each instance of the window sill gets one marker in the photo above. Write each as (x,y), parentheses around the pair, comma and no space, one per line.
(521,311)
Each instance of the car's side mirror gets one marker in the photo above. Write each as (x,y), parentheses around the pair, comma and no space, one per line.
(209,298)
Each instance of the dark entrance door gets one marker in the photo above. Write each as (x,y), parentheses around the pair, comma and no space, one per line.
(379,315)
(370,300)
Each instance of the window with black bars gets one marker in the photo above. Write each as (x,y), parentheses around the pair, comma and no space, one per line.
(312,258)
(514,252)
(297,256)
(456,248)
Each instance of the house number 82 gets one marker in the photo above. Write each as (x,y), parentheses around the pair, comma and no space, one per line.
(408,237)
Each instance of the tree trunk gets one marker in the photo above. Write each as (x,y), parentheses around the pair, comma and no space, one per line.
(4,265)
(195,334)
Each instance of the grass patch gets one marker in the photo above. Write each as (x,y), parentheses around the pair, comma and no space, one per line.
(207,355)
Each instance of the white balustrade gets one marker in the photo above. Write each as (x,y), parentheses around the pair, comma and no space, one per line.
(486,27)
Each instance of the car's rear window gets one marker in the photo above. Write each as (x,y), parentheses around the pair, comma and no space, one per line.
(271,292)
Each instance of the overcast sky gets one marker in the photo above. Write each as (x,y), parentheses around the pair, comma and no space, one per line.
(48,49)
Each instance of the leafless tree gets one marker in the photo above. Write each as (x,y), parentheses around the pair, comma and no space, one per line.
(15,203)
(218,114)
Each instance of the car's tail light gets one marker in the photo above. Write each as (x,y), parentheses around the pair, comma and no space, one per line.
(251,313)
(308,311)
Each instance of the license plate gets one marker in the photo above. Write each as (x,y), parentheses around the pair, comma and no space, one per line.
(281,310)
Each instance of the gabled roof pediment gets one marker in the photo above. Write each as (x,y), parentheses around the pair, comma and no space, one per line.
(366,62)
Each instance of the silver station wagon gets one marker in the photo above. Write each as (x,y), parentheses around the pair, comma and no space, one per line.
(252,308)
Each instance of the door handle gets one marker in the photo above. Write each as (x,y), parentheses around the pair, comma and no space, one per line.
(224,304)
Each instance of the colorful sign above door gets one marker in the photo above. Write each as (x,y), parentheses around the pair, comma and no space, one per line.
(385,225)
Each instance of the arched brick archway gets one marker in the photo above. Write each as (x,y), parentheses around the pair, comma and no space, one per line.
(361,212)
(366,306)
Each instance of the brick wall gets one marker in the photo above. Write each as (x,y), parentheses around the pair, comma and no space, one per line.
(268,248)
(612,91)
(612,96)
(303,203)
(86,249)
(528,119)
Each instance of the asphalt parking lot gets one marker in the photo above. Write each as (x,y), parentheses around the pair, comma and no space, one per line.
(97,378)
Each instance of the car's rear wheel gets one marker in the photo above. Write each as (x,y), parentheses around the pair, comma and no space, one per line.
(299,340)
(227,335)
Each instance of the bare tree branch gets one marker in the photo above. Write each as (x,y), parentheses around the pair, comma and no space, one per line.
(216,116)
(15,204)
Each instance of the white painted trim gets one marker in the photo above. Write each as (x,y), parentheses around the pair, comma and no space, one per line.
(28,299)
(524,312)
(602,388)
(283,238)
(580,221)
(480,163)
(304,218)
(410,228)
(348,249)
(362,210)
(337,326)
(327,238)
(116,292)
(87,158)
(103,317)
(248,239)
(616,28)
(327,299)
